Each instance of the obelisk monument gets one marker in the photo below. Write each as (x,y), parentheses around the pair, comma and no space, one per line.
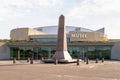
(61,48)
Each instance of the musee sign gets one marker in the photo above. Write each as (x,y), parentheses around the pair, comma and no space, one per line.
(87,36)
(79,35)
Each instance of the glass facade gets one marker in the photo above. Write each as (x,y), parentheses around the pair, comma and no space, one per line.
(91,52)
(47,39)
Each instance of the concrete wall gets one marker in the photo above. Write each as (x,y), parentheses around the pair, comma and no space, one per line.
(87,36)
(4,51)
(115,52)
(23,33)
(19,34)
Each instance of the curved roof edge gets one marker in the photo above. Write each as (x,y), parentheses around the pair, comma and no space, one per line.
(66,26)
(53,29)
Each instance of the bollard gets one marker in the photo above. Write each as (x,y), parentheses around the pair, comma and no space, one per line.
(56,61)
(102,60)
(87,61)
(96,60)
(28,60)
(78,62)
(14,60)
(31,61)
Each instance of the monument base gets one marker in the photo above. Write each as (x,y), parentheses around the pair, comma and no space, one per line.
(62,55)
(60,61)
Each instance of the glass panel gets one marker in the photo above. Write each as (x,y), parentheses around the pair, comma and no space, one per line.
(99,52)
(74,52)
(47,52)
(14,53)
(48,39)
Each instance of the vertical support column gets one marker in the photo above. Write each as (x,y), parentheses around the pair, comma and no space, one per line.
(32,57)
(11,53)
(24,53)
(49,53)
(37,53)
(79,53)
(100,56)
(18,53)
(83,53)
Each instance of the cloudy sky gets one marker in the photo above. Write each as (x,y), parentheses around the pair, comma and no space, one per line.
(91,14)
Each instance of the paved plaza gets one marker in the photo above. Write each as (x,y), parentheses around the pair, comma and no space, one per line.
(110,70)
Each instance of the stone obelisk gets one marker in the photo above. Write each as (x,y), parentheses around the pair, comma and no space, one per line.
(61,49)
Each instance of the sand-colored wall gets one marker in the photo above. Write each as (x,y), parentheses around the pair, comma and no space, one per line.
(4,51)
(23,33)
(87,36)
(19,34)
(78,36)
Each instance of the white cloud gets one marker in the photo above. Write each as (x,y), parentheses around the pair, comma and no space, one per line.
(92,14)
(47,2)
(107,5)
(95,7)
(44,3)
(97,13)
(18,3)
(12,9)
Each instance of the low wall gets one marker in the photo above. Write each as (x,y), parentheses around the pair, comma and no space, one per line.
(115,52)
(4,51)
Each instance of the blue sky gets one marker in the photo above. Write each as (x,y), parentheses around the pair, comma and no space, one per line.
(91,14)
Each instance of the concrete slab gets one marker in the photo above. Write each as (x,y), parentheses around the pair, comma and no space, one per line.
(60,61)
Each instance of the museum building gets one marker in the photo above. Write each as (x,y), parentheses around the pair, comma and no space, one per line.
(41,42)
